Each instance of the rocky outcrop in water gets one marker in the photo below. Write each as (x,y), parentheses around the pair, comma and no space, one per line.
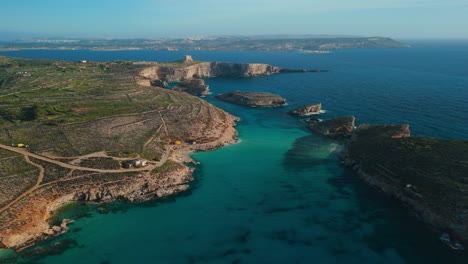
(307,110)
(427,174)
(253,99)
(195,87)
(335,127)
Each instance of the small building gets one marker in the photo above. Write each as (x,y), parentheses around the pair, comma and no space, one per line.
(135,163)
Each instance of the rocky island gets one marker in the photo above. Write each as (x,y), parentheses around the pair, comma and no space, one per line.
(252,99)
(307,110)
(87,131)
(426,174)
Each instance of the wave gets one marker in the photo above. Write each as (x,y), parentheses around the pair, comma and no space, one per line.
(316,113)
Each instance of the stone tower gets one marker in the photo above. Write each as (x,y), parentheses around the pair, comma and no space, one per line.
(188,58)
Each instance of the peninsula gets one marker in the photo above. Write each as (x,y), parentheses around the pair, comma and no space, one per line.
(99,131)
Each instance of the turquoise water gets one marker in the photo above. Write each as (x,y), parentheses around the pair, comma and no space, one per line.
(280,195)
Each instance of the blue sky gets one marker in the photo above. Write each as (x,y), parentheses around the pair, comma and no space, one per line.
(178,18)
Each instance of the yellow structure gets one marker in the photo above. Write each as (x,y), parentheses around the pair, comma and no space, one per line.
(178,142)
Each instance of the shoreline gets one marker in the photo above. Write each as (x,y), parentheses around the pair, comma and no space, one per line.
(173,182)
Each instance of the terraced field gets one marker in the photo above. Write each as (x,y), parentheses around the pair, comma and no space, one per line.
(81,120)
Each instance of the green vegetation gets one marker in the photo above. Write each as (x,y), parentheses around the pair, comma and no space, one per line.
(436,169)
(168,166)
(100,163)
(50,105)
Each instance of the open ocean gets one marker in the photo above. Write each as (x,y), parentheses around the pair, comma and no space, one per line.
(280,195)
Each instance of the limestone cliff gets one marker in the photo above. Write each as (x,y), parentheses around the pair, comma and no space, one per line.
(174,72)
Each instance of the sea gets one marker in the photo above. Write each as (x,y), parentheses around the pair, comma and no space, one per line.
(280,195)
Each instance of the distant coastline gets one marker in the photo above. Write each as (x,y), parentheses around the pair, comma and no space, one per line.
(229,43)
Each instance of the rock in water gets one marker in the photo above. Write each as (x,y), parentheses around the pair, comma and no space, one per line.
(253,99)
(335,127)
(307,110)
(195,87)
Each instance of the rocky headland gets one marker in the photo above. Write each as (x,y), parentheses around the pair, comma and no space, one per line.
(307,110)
(189,69)
(252,99)
(426,174)
(336,127)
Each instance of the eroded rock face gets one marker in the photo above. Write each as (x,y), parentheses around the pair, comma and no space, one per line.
(307,110)
(335,127)
(195,87)
(175,73)
(253,99)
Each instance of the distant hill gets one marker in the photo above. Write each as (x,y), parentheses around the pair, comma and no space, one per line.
(241,43)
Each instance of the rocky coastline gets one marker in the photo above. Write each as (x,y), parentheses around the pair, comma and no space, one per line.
(160,73)
(165,135)
(150,185)
(427,175)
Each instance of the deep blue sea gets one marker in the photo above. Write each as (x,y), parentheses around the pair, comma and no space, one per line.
(280,195)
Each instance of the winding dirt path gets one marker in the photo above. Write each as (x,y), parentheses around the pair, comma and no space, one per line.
(27,155)
(32,189)
(24,152)
(164,123)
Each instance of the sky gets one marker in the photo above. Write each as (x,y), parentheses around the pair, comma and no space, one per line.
(401,19)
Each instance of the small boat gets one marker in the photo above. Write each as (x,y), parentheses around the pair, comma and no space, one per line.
(445,238)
